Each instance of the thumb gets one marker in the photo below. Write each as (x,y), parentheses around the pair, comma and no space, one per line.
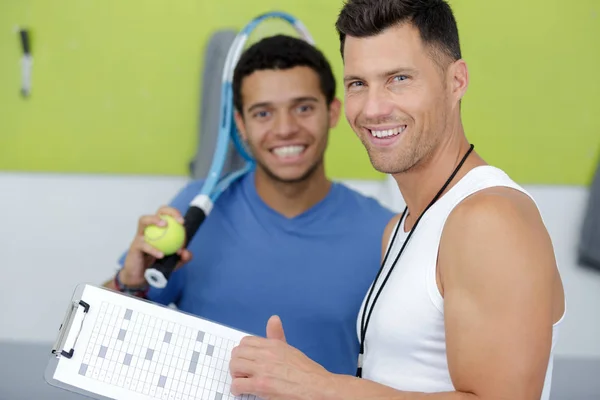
(275,329)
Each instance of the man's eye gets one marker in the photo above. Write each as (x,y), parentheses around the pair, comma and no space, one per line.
(304,108)
(261,114)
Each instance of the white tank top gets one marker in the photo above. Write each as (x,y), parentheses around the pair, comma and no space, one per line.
(405,345)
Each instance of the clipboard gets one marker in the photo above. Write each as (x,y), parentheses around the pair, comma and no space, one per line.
(77,309)
(115,346)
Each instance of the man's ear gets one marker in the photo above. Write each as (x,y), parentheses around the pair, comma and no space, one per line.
(334,112)
(459,79)
(239,123)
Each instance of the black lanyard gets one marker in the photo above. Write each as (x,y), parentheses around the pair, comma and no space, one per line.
(364,324)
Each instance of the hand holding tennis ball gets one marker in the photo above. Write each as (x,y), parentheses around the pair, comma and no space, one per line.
(167,239)
(157,236)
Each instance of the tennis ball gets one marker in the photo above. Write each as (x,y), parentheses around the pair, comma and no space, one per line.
(167,239)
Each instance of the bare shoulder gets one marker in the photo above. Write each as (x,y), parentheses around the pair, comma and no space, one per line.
(497,237)
(502,206)
(502,214)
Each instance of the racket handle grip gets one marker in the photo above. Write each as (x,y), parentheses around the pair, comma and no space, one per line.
(158,274)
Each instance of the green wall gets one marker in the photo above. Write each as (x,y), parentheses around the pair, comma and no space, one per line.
(533,105)
(116,84)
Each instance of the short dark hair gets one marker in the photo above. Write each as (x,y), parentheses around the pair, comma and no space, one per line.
(433,19)
(282,52)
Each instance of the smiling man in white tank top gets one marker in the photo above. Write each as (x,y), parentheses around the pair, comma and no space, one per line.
(469,299)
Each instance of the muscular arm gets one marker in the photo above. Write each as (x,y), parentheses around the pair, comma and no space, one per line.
(499,281)
(500,290)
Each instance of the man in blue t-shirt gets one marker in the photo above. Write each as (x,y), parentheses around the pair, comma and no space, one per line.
(284,239)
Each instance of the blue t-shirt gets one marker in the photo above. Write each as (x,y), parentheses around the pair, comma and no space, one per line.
(250,262)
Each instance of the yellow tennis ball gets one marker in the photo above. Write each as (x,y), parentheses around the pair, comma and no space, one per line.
(167,239)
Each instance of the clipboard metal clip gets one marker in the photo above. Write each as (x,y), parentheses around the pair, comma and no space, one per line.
(66,338)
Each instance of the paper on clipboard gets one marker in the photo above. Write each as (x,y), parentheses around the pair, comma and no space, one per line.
(119,347)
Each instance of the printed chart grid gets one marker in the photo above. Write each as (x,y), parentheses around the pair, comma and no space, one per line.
(157,358)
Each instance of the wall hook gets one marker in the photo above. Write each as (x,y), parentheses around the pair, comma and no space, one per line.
(26,62)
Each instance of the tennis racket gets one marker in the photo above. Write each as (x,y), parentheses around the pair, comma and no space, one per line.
(216,182)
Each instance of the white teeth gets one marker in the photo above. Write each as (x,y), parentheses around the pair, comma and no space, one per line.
(388,132)
(288,151)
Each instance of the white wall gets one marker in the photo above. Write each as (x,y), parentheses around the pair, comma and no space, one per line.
(60,230)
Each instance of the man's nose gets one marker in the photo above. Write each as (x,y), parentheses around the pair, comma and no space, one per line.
(285,124)
(378,104)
